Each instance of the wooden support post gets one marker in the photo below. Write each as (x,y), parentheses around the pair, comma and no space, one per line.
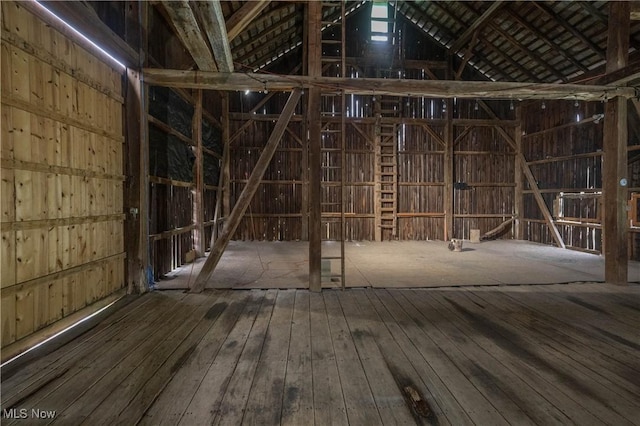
(198,176)
(614,174)
(314,126)
(231,224)
(224,166)
(305,181)
(518,206)
(226,160)
(136,185)
(448,172)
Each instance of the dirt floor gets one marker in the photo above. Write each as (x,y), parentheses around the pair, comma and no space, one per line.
(395,264)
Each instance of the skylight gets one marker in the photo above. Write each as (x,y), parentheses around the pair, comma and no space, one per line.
(379,21)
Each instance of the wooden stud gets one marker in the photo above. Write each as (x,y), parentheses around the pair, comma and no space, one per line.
(247,194)
(614,174)
(198,175)
(314,68)
(448,173)
(518,204)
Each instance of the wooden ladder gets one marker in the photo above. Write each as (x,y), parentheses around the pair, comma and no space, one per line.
(388,177)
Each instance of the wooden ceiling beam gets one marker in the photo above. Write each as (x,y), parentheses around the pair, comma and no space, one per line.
(188,31)
(243,16)
(369,86)
(484,18)
(211,20)
(269,46)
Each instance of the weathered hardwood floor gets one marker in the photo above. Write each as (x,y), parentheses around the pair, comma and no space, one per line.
(551,354)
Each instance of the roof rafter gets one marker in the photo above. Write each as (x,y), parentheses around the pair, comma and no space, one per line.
(243,16)
(554,16)
(482,19)
(188,31)
(211,21)
(544,38)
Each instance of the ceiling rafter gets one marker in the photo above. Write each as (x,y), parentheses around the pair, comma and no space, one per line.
(211,20)
(480,21)
(545,39)
(243,16)
(560,20)
(527,52)
(269,48)
(185,24)
(267,31)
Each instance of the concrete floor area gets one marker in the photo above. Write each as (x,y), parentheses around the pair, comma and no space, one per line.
(397,264)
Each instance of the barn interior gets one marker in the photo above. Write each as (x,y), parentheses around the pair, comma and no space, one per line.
(319,212)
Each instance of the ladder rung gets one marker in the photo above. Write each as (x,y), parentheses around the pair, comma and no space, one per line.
(387,226)
(331,23)
(387,164)
(331,257)
(331,167)
(331,41)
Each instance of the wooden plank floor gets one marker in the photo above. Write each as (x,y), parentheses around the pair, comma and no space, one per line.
(545,354)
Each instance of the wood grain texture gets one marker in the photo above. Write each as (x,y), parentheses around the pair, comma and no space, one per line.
(61,177)
(537,354)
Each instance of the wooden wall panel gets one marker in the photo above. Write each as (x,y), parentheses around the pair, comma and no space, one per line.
(62,184)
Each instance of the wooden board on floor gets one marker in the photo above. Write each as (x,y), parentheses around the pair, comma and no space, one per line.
(477,355)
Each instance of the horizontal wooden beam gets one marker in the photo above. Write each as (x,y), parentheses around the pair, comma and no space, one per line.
(381,86)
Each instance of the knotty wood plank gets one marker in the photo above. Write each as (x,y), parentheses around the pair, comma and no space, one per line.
(268,392)
(358,397)
(297,405)
(465,393)
(232,406)
(563,376)
(328,401)
(172,402)
(206,402)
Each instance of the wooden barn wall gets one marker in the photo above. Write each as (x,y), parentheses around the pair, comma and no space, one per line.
(420,181)
(482,160)
(485,162)
(275,213)
(62,178)
(562,143)
(172,176)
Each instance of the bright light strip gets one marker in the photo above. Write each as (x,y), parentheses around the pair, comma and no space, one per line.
(57,334)
(78,33)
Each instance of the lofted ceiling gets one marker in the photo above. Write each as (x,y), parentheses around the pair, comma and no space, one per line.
(529,41)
